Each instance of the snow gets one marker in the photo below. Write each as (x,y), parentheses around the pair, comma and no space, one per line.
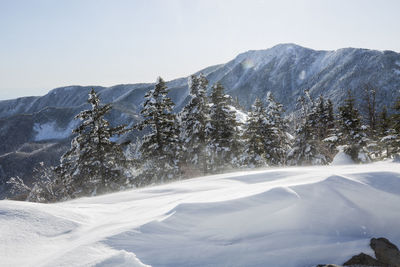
(247,64)
(300,216)
(388,138)
(363,157)
(331,139)
(50,130)
(341,158)
(241,116)
(302,75)
(122,259)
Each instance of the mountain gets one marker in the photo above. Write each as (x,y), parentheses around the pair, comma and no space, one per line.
(291,217)
(34,129)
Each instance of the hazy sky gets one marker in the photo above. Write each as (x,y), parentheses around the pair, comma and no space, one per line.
(47,44)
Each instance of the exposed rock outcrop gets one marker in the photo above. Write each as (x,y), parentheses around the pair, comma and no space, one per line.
(362,259)
(385,252)
(387,255)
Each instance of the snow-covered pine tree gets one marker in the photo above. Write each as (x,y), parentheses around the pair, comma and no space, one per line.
(299,152)
(160,148)
(330,117)
(321,118)
(396,127)
(387,135)
(396,115)
(324,127)
(353,132)
(43,188)
(236,103)
(369,108)
(94,164)
(384,122)
(224,146)
(278,142)
(254,136)
(195,118)
(331,136)
(307,148)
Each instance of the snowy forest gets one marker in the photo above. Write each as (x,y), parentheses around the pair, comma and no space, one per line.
(212,134)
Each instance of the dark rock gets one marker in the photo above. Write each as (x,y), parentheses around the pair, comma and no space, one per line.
(363,259)
(386,252)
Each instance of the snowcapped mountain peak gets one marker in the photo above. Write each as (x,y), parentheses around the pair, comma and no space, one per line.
(289,47)
(262,56)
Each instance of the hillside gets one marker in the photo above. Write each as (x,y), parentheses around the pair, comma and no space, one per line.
(42,125)
(300,216)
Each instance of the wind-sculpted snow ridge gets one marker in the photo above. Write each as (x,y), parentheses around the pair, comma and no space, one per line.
(300,216)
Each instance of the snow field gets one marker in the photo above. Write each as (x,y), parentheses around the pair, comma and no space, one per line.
(301,216)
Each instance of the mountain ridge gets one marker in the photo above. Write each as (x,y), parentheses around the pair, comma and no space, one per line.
(247,59)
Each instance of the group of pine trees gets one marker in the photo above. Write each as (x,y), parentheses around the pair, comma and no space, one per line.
(207,137)
(203,138)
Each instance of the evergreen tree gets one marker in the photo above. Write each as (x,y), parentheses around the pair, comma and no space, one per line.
(160,149)
(323,123)
(369,108)
(278,142)
(384,124)
(194,122)
(236,103)
(330,118)
(307,147)
(43,189)
(386,134)
(396,116)
(321,118)
(223,144)
(255,136)
(331,137)
(353,132)
(94,164)
(396,127)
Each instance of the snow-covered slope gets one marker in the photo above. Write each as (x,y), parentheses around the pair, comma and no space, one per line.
(274,217)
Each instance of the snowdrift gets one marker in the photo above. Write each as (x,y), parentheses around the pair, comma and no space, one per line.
(274,217)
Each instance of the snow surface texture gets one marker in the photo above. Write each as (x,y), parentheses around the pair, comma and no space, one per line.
(300,216)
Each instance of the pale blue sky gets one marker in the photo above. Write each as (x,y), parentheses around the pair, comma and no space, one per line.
(50,43)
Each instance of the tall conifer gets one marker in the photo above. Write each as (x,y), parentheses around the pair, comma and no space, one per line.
(195,118)
(161,147)
(223,145)
(352,131)
(94,164)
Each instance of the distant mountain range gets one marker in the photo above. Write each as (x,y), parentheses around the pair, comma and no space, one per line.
(34,129)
